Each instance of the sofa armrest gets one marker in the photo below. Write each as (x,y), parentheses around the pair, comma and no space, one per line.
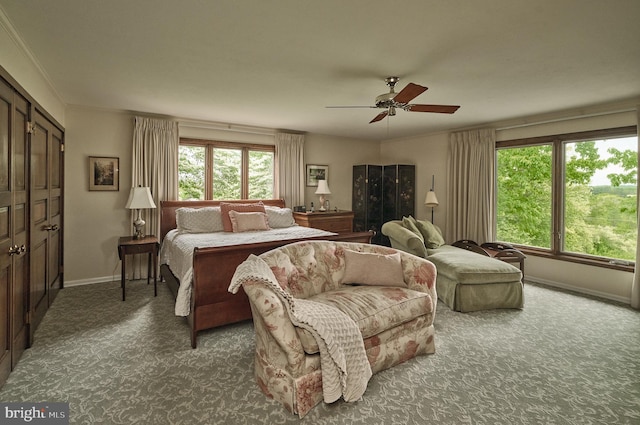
(420,275)
(279,332)
(404,239)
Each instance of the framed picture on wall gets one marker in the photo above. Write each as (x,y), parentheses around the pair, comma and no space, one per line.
(104,173)
(315,173)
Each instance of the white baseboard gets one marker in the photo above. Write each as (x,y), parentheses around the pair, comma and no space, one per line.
(560,285)
(80,282)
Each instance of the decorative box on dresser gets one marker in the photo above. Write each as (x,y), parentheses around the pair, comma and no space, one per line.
(332,221)
(31,202)
(382,193)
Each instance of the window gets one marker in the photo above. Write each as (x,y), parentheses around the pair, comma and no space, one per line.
(217,170)
(572,195)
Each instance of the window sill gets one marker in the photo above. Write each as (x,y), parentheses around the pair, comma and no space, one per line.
(587,260)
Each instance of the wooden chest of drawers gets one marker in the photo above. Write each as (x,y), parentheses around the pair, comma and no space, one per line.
(331,221)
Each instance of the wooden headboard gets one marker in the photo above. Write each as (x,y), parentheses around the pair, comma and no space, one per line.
(168,209)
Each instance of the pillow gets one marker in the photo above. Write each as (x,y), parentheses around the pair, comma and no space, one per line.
(225,207)
(410,223)
(279,217)
(432,237)
(199,220)
(245,221)
(366,268)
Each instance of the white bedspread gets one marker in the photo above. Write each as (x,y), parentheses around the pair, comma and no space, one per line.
(177,251)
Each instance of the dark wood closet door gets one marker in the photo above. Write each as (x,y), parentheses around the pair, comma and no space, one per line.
(14,263)
(20,288)
(39,246)
(46,218)
(6,241)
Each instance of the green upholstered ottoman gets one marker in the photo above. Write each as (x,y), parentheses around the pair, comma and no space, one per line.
(468,281)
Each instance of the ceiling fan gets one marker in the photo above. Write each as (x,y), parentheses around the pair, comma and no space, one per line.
(392,100)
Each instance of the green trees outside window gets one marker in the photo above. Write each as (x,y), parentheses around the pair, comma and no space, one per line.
(588,200)
(212,170)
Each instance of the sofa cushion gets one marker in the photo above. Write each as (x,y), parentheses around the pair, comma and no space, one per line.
(410,224)
(467,267)
(432,236)
(368,268)
(375,309)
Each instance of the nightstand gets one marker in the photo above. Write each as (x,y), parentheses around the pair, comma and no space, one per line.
(332,221)
(127,245)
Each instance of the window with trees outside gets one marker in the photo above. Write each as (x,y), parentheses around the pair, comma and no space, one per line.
(572,196)
(218,170)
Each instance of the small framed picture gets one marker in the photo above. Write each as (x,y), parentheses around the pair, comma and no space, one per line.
(104,173)
(315,173)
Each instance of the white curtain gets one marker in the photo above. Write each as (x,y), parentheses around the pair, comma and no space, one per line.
(471,199)
(154,165)
(290,168)
(635,287)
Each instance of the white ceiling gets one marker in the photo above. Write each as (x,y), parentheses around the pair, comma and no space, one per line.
(277,64)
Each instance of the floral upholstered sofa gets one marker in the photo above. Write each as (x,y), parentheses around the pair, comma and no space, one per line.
(327,315)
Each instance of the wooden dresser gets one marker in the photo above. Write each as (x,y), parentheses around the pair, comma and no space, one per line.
(332,221)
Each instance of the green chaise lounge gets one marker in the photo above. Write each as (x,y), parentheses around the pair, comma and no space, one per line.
(466,281)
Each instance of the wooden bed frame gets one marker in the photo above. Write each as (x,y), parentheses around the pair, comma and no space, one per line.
(211,304)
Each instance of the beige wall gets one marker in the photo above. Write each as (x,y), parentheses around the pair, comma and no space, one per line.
(21,66)
(340,155)
(429,154)
(95,220)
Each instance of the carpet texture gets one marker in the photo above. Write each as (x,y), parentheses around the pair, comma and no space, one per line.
(563,359)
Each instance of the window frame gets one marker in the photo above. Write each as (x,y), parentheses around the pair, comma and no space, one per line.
(558,143)
(245,148)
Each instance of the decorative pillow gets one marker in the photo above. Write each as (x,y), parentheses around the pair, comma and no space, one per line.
(225,207)
(366,268)
(199,220)
(410,223)
(279,217)
(432,237)
(245,221)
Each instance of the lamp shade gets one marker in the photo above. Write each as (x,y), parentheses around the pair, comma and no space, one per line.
(140,197)
(431,200)
(323,188)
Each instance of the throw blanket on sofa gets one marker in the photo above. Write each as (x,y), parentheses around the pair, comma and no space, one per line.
(345,368)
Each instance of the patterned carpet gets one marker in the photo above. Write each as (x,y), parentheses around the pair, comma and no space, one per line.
(564,359)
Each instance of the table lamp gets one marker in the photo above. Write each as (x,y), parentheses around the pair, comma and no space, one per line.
(139,198)
(323,189)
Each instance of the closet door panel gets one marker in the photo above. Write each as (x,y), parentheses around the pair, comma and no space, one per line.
(6,242)
(39,288)
(55,215)
(20,284)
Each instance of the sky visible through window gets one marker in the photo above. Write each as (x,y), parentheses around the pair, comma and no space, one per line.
(622,144)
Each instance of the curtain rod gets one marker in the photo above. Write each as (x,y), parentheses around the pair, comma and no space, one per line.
(208,125)
(575,117)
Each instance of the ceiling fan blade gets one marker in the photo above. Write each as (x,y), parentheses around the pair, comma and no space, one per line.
(442,109)
(334,107)
(380,116)
(408,93)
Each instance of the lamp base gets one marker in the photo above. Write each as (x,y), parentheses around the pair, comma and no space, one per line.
(322,202)
(138,224)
